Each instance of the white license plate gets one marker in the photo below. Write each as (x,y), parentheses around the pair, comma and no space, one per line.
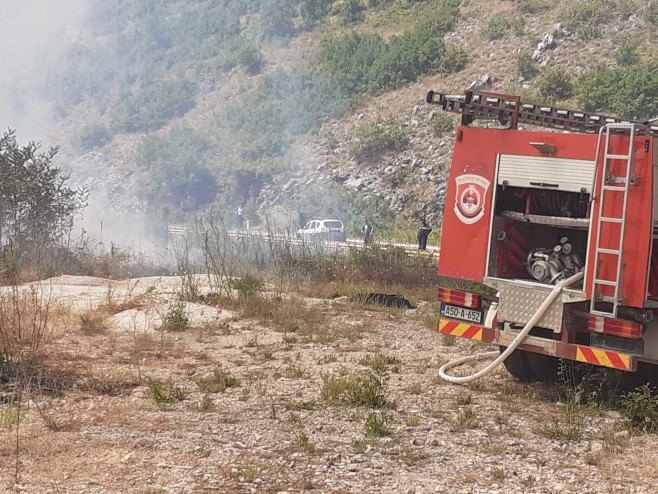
(462,313)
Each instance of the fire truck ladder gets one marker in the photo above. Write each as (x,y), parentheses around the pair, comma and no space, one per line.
(510,111)
(615,186)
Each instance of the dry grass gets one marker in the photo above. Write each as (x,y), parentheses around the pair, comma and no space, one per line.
(93,323)
(218,382)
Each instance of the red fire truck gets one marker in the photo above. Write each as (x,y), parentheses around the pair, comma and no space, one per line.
(526,210)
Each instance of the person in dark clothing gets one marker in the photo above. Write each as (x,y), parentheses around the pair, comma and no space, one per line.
(240,216)
(368,231)
(423,232)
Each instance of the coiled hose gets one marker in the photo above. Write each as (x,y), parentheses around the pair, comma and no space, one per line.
(512,346)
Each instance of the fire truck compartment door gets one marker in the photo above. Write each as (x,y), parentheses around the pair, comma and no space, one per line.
(546,173)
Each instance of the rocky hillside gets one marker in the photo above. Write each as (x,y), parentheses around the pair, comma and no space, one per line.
(317,107)
(535,35)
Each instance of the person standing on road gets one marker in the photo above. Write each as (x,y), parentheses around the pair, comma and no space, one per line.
(240,215)
(368,232)
(423,232)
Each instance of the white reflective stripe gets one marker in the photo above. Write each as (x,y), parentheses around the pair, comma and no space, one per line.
(599,325)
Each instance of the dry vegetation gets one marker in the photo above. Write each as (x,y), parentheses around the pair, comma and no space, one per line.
(141,388)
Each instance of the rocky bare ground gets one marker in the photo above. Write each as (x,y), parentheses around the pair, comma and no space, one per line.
(276,431)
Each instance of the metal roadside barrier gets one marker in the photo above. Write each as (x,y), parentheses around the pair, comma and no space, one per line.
(181,230)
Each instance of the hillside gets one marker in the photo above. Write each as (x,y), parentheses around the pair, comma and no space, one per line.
(315,107)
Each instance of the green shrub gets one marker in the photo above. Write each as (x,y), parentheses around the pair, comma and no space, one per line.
(641,408)
(454,60)
(442,123)
(248,286)
(251,58)
(466,419)
(303,441)
(381,363)
(526,66)
(154,105)
(284,104)
(179,166)
(569,427)
(363,389)
(499,24)
(218,382)
(37,207)
(313,11)
(586,16)
(627,53)
(277,18)
(555,84)
(651,13)
(441,18)
(352,12)
(176,318)
(377,425)
(496,27)
(93,136)
(533,6)
(165,392)
(377,137)
(629,92)
(359,63)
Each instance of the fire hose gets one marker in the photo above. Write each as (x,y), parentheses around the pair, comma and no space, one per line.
(512,346)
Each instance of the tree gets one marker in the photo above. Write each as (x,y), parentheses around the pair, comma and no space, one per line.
(555,84)
(178,163)
(352,11)
(277,18)
(312,11)
(37,207)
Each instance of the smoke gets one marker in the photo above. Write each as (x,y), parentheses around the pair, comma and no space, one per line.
(34,35)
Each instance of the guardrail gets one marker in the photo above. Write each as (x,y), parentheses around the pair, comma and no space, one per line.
(350,243)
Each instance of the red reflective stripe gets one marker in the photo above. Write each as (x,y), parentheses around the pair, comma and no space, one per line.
(471,332)
(449,327)
(615,327)
(616,360)
(589,355)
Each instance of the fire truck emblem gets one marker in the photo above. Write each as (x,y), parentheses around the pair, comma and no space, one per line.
(469,199)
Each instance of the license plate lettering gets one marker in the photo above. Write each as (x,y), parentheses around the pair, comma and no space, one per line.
(462,313)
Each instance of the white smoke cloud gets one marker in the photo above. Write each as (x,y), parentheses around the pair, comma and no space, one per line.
(34,35)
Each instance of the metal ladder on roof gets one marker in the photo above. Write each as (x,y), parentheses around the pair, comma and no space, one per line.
(476,105)
(613,186)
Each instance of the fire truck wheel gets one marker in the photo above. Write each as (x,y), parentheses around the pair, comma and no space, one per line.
(517,365)
(544,368)
(530,367)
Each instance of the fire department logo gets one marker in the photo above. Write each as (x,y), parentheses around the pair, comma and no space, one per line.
(469,199)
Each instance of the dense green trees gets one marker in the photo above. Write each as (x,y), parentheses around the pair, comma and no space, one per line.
(179,166)
(285,104)
(37,206)
(630,92)
(153,105)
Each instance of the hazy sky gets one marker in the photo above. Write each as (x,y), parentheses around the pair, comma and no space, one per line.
(34,33)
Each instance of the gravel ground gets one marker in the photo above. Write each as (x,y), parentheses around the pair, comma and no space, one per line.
(275,431)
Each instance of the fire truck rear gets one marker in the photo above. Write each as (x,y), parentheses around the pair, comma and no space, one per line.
(526,211)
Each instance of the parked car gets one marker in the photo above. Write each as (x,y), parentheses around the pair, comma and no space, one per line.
(323,230)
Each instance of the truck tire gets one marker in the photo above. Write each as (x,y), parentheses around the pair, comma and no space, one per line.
(531,367)
(517,365)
